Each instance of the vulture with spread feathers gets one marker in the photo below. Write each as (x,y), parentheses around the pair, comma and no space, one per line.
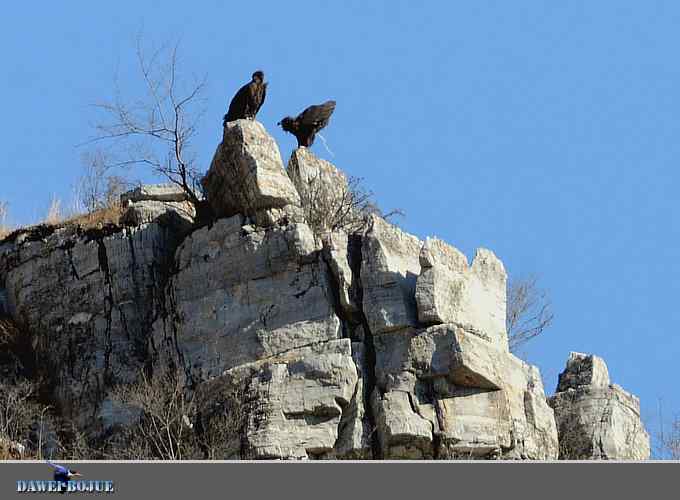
(248,100)
(305,126)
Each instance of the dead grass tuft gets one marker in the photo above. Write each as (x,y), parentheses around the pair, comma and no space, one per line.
(104,216)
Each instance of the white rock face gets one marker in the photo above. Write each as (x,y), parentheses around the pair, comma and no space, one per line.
(595,419)
(244,294)
(155,192)
(477,399)
(389,268)
(303,396)
(247,177)
(150,202)
(450,291)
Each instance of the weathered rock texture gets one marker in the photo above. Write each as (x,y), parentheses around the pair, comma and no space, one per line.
(447,392)
(89,301)
(450,291)
(342,344)
(247,177)
(148,203)
(389,268)
(595,419)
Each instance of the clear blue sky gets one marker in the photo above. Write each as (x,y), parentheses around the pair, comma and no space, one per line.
(546,131)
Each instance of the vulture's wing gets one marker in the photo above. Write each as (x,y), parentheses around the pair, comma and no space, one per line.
(263,96)
(238,104)
(317,115)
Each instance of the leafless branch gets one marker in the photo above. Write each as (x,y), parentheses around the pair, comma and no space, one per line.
(155,129)
(528,313)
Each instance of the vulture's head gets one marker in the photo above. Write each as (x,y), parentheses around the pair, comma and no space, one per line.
(258,77)
(288,124)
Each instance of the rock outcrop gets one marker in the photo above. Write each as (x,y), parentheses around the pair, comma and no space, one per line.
(360,342)
(247,177)
(596,420)
(149,203)
(450,291)
(89,300)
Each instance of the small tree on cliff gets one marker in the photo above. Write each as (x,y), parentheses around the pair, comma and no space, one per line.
(156,128)
(529,311)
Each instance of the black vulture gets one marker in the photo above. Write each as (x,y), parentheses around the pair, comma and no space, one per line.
(248,100)
(305,126)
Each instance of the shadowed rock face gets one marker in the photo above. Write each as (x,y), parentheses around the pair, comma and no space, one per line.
(89,301)
(595,419)
(367,345)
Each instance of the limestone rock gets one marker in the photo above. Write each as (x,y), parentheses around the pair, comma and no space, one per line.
(155,192)
(355,429)
(299,401)
(583,369)
(450,291)
(597,420)
(143,212)
(479,400)
(339,250)
(389,268)
(247,177)
(323,191)
(242,294)
(403,432)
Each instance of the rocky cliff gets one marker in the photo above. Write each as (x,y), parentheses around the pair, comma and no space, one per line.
(354,341)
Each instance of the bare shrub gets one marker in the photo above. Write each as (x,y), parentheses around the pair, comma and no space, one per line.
(165,429)
(16,410)
(529,311)
(332,205)
(97,189)
(155,129)
(23,417)
(222,420)
(668,439)
(177,423)
(54,213)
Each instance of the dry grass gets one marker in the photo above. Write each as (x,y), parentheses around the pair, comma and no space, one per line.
(54,212)
(9,333)
(108,215)
(11,451)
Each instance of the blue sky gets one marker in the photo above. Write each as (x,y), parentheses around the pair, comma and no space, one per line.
(546,131)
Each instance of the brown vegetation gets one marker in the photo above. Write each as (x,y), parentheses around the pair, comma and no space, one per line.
(176,423)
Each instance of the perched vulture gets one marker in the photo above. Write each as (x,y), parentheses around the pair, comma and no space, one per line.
(248,100)
(305,126)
